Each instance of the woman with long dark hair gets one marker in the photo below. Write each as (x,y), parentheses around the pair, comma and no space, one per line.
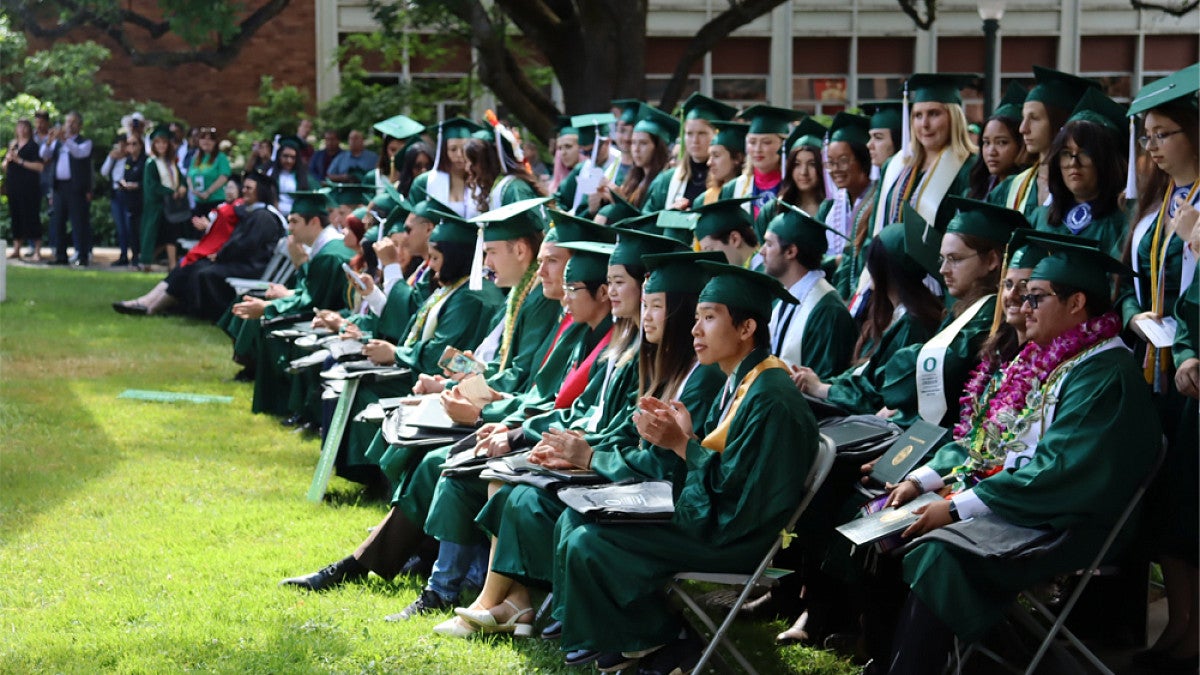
(495,175)
(162,179)
(417,159)
(1001,148)
(649,149)
(447,180)
(289,172)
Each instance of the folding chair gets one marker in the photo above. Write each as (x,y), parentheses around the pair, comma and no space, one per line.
(279,270)
(826,452)
(1058,622)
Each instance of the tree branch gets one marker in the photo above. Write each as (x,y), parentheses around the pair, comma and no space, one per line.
(1179,9)
(910,8)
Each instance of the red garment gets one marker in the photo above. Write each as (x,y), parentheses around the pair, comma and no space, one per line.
(217,234)
(567,320)
(577,378)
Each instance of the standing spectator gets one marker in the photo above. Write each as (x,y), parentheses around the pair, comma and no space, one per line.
(162,179)
(208,170)
(114,170)
(69,156)
(179,142)
(289,172)
(321,159)
(352,165)
(131,186)
(22,174)
(41,134)
(261,156)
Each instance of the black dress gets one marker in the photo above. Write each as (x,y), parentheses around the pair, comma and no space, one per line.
(24,194)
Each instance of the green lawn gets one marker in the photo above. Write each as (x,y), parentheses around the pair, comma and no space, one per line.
(149,537)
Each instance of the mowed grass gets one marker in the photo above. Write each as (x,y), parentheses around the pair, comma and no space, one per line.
(143,537)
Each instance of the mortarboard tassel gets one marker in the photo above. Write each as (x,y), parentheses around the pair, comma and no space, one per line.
(437,154)
(874,173)
(905,126)
(476,282)
(1131,172)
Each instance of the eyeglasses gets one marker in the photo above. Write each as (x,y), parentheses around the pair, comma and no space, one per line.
(1067,157)
(1158,138)
(841,164)
(954,261)
(572,290)
(1035,299)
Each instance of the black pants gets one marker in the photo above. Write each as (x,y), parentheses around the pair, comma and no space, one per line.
(70,202)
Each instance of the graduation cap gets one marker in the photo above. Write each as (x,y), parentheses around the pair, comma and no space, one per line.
(569,228)
(645,222)
(455,127)
(1010,105)
(310,203)
(655,122)
(589,261)
(938,87)
(698,107)
(394,223)
(717,218)
(1058,89)
(1179,86)
(808,133)
(922,241)
(885,115)
(621,209)
(563,127)
(893,240)
(850,128)
(429,208)
(1023,254)
(794,226)
(591,126)
(291,141)
(765,119)
(732,135)
(453,229)
(735,286)
(959,215)
(632,245)
(629,109)
(1078,263)
(350,194)
(677,272)
(400,126)
(1099,109)
(518,219)
(162,131)
(679,225)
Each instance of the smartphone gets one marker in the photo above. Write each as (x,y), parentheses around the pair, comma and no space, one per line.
(354,275)
(455,361)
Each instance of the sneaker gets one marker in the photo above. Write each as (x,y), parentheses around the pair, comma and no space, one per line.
(425,603)
(331,576)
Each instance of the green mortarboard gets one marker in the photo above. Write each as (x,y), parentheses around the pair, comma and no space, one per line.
(850,128)
(591,124)
(563,127)
(589,261)
(568,228)
(372,234)
(765,119)
(455,127)
(514,220)
(739,287)
(429,208)
(620,209)
(677,272)
(1078,263)
(794,226)
(938,87)
(390,198)
(922,241)
(400,126)
(632,245)
(655,122)
(1025,255)
(1099,109)
(1010,105)
(809,133)
(1058,89)
(293,142)
(679,225)
(452,229)
(645,222)
(162,131)
(732,135)
(1180,85)
(979,219)
(310,203)
(719,217)
(360,212)
(629,109)
(698,107)
(893,240)
(887,115)
(394,223)
(351,194)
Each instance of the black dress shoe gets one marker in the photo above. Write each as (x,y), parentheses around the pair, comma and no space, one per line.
(244,375)
(611,662)
(346,569)
(119,262)
(552,631)
(581,657)
(293,421)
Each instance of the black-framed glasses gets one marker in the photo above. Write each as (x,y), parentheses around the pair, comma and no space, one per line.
(1157,138)
(572,290)
(1067,157)
(1035,299)
(954,260)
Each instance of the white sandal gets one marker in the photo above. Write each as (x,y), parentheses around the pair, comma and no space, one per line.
(486,621)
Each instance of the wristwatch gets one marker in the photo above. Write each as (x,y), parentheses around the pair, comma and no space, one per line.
(954,517)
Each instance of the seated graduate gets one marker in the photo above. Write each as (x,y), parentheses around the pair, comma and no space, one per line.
(742,482)
(720,227)
(803,182)
(971,253)
(521,518)
(726,157)
(447,181)
(596,153)
(763,172)
(848,209)
(251,225)
(1084,437)
(816,332)
(680,187)
(649,150)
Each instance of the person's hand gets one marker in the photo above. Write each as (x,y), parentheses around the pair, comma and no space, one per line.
(807,381)
(380,352)
(1187,378)
(250,308)
(886,413)
(1185,220)
(200,223)
(277,291)
(568,445)
(866,470)
(351,331)
(295,250)
(429,384)
(212,257)
(181,191)
(459,408)
(667,425)
(494,445)
(932,516)
(367,282)
(386,251)
(488,429)
(327,318)
(903,493)
(681,204)
(117,152)
(1133,323)
(549,457)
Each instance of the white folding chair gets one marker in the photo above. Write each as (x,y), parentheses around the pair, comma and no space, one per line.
(1058,621)
(762,576)
(279,270)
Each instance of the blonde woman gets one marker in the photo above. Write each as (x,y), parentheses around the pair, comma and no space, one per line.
(763,174)
(678,189)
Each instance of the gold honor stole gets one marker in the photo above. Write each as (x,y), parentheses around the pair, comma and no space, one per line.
(715,441)
(1018,189)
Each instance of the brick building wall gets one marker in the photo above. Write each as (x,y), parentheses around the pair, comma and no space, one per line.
(203,96)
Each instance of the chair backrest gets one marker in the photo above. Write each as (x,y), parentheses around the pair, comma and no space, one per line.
(280,265)
(822,465)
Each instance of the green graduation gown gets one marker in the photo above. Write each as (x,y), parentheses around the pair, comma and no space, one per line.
(827,340)
(1000,193)
(609,579)
(857,389)
(1111,230)
(1091,457)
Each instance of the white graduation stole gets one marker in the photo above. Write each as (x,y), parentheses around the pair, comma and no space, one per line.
(800,321)
(931,365)
(496,196)
(934,185)
(890,176)
(675,188)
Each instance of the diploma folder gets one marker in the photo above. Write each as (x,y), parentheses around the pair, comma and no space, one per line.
(647,502)
(886,522)
(908,449)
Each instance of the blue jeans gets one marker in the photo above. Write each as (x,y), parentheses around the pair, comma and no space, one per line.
(457,563)
(120,215)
